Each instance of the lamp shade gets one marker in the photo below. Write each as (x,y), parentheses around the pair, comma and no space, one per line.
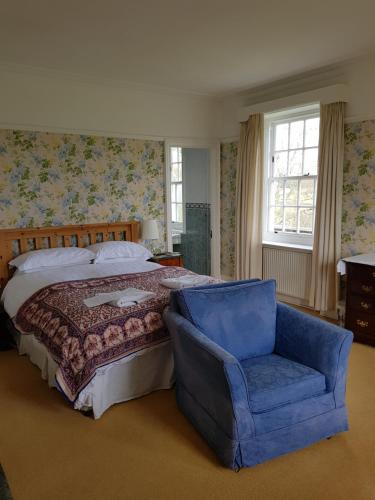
(150,230)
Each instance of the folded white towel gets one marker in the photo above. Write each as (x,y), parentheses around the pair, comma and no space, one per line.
(185,281)
(121,298)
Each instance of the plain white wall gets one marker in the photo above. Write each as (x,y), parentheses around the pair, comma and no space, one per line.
(358,74)
(42,100)
(39,100)
(196,175)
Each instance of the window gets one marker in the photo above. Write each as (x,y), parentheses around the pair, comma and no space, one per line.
(176,188)
(292,171)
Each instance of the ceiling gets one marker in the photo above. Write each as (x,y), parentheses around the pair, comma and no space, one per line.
(205,46)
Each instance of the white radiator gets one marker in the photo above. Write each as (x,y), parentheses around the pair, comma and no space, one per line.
(292,271)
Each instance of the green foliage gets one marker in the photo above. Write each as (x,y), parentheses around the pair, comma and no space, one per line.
(362,169)
(363,207)
(43,173)
(91,200)
(113,145)
(19,141)
(350,136)
(359,220)
(348,188)
(49,213)
(73,168)
(347,165)
(368,154)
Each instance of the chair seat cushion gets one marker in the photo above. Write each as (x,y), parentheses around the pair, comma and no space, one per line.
(240,318)
(276,381)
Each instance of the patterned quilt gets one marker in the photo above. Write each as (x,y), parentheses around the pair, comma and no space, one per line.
(82,339)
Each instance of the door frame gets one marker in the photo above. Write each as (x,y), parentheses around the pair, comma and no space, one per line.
(214,148)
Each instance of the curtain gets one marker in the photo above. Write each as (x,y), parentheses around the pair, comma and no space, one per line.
(327,229)
(249,199)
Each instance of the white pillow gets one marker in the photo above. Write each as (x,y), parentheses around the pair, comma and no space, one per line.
(119,250)
(52,257)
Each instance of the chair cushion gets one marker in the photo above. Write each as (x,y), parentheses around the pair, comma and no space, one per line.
(275,381)
(240,318)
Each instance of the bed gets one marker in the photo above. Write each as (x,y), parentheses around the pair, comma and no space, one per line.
(125,353)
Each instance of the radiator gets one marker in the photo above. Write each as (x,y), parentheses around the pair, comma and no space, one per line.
(292,271)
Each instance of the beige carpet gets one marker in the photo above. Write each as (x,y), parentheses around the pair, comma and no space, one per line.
(145,449)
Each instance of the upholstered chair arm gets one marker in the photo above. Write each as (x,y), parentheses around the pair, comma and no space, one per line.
(315,343)
(212,375)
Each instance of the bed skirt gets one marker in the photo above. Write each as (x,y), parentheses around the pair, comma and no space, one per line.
(128,378)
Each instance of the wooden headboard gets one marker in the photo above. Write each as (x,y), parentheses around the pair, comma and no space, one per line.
(13,242)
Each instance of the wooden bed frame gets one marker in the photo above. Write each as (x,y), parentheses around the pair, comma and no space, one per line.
(13,242)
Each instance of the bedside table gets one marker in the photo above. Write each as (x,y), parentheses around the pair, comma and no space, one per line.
(168,259)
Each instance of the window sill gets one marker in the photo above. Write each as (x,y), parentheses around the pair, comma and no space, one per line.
(288,246)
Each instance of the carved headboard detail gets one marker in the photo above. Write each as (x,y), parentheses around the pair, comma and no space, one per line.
(13,242)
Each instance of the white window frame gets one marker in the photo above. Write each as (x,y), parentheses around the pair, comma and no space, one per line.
(271,120)
(176,225)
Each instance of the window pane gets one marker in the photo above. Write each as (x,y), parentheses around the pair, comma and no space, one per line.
(306,193)
(310,164)
(280,165)
(312,132)
(277,193)
(175,155)
(291,192)
(296,135)
(281,140)
(175,174)
(179,212)
(174,213)
(290,215)
(179,193)
(173,193)
(275,219)
(295,162)
(306,220)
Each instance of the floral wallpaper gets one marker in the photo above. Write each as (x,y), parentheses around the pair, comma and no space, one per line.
(58,179)
(358,217)
(228,169)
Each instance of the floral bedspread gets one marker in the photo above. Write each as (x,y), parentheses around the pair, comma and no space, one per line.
(82,339)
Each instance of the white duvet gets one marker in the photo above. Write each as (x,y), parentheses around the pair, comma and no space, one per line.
(24,285)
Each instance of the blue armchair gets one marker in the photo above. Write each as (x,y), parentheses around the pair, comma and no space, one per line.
(256,378)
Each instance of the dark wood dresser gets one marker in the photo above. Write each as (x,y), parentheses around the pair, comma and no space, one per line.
(360,302)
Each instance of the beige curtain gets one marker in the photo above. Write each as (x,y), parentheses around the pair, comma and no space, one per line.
(327,230)
(249,199)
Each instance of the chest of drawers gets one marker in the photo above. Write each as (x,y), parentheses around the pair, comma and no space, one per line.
(360,302)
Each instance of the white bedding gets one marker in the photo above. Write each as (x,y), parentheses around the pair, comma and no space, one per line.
(133,376)
(23,285)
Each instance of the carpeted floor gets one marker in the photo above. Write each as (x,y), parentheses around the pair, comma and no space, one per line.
(145,449)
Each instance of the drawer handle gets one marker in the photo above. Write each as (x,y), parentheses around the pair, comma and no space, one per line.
(366,288)
(365,305)
(362,323)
